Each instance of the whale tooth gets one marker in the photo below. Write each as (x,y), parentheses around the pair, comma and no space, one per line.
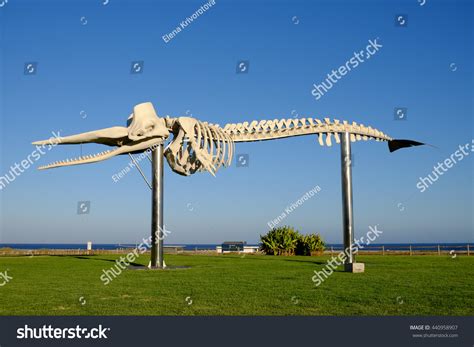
(336,137)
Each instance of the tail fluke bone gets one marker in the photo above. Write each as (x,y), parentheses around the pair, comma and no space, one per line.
(395,144)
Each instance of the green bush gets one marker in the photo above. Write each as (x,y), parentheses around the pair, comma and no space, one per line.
(288,241)
(280,241)
(310,244)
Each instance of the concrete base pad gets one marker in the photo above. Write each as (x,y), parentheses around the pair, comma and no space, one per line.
(354,267)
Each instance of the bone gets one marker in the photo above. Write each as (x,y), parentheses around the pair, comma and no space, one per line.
(222,138)
(197,128)
(328,139)
(146,123)
(226,153)
(261,125)
(288,123)
(216,157)
(87,159)
(321,139)
(107,136)
(252,127)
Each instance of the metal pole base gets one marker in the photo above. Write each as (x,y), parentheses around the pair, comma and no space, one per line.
(354,267)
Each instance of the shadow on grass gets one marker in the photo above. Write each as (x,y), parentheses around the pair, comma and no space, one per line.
(102,259)
(274,257)
(307,261)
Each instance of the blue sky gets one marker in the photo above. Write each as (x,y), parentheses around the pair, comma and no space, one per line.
(84,51)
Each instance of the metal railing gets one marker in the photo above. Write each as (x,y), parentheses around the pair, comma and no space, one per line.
(38,252)
(409,250)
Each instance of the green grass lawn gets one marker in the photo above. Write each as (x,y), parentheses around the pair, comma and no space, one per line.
(236,285)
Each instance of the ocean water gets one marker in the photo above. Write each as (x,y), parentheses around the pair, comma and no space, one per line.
(212,246)
(106,246)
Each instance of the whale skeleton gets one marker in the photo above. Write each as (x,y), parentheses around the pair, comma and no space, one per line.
(201,146)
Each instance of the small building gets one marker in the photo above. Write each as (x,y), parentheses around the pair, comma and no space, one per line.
(236,246)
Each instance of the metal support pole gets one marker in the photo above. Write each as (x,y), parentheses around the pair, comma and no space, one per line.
(347,215)
(139,169)
(157,208)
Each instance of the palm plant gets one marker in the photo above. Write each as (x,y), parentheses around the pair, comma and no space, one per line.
(288,241)
(280,241)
